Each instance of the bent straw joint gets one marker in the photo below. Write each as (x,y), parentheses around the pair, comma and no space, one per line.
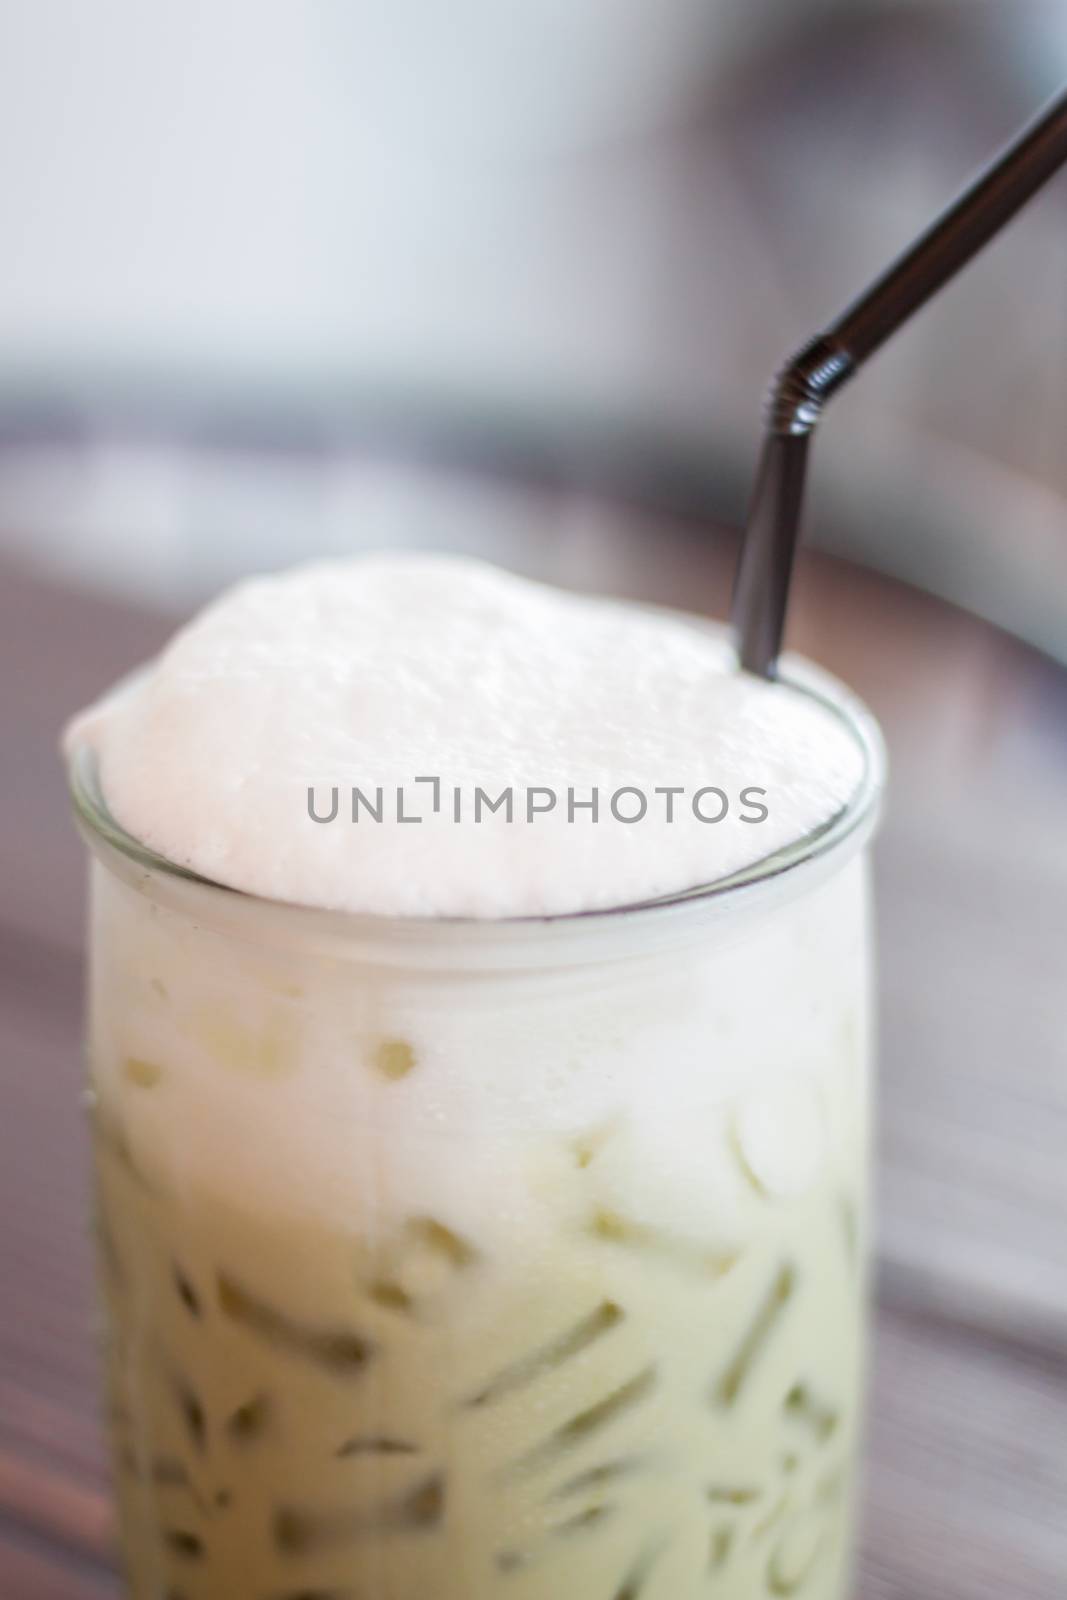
(802,387)
(817,371)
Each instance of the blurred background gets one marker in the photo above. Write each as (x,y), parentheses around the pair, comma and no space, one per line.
(281,280)
(256,252)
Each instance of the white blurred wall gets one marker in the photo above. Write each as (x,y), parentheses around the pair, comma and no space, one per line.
(559,212)
(337,188)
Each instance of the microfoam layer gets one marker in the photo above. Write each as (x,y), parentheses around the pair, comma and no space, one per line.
(368,674)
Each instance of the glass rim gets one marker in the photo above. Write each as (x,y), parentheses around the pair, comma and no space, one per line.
(776,875)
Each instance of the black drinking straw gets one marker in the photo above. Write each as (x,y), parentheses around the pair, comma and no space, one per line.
(820,367)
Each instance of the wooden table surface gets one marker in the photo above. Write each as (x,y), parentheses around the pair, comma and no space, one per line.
(966,1488)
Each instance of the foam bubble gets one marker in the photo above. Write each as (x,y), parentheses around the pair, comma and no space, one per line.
(379,670)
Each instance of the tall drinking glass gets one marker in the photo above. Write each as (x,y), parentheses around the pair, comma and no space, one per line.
(484,1261)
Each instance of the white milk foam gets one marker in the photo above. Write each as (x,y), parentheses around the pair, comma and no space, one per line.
(382,669)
